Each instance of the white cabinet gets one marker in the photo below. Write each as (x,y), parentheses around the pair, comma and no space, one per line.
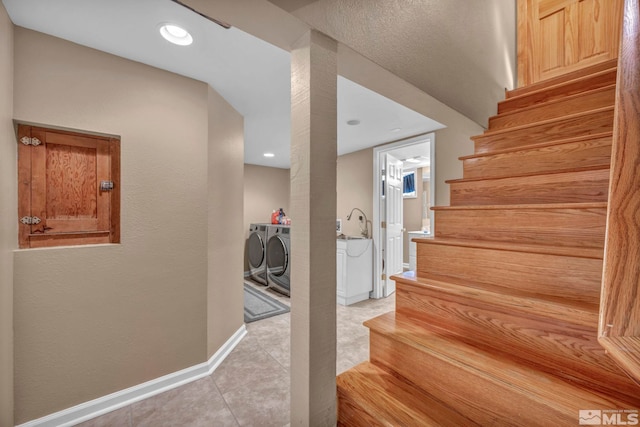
(413,248)
(354,270)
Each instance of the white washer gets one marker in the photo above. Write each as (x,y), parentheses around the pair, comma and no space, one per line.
(278,258)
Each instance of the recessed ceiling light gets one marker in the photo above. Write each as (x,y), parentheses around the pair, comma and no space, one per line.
(396,129)
(353,122)
(269,155)
(413,160)
(176,35)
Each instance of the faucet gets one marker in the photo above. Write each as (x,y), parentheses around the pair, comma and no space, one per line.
(364,232)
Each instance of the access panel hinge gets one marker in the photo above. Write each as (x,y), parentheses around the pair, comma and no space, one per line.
(384,277)
(383,224)
(30,141)
(30,220)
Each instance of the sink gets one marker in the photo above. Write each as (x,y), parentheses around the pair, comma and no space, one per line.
(345,237)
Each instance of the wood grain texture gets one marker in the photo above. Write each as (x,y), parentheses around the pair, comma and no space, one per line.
(484,386)
(61,180)
(571,126)
(71,182)
(620,316)
(560,347)
(562,36)
(580,102)
(563,85)
(512,266)
(371,396)
(24,186)
(511,300)
(574,225)
(564,187)
(591,151)
(114,202)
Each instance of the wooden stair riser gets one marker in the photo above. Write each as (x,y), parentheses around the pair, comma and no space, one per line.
(578,76)
(585,153)
(586,101)
(516,100)
(568,187)
(595,122)
(542,275)
(560,348)
(578,227)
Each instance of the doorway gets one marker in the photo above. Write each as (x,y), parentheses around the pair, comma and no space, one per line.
(417,157)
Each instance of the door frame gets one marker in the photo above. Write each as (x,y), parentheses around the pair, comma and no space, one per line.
(378,160)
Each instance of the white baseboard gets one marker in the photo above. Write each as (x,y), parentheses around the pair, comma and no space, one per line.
(111,402)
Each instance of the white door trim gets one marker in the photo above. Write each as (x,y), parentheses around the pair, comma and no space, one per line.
(378,161)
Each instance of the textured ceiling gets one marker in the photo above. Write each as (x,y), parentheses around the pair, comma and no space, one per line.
(461,52)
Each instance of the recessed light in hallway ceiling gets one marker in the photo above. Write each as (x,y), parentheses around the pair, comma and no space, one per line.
(176,35)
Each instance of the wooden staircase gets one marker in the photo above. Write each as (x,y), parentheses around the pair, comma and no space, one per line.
(499,323)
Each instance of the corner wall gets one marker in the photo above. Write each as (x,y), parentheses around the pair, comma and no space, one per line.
(225,291)
(8,217)
(93,320)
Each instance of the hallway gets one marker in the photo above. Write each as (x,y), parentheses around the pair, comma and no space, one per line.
(251,386)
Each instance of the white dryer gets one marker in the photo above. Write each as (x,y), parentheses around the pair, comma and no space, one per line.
(257,252)
(279,259)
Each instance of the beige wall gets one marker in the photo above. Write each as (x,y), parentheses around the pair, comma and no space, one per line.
(8,220)
(225,294)
(265,189)
(355,189)
(93,320)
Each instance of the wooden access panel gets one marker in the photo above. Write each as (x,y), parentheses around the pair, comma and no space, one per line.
(560,36)
(60,176)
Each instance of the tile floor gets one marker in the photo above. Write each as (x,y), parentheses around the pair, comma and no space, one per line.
(251,386)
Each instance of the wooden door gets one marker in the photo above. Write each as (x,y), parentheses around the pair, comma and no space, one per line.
(61,199)
(560,36)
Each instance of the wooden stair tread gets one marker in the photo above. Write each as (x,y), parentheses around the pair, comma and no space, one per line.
(515,247)
(581,205)
(372,396)
(537,145)
(489,132)
(472,369)
(568,78)
(577,312)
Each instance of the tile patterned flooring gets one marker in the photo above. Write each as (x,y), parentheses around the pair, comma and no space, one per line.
(251,386)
